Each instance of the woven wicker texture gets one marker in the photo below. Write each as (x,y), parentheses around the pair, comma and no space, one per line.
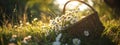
(90,23)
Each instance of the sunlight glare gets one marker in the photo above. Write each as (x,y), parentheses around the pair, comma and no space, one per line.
(60,3)
(72,5)
(83,7)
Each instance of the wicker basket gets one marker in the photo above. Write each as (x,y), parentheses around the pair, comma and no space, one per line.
(90,23)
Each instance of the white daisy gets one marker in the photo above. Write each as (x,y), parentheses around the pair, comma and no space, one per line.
(25,40)
(68,18)
(66,44)
(59,27)
(27,23)
(76,41)
(57,19)
(86,33)
(35,19)
(66,25)
(57,42)
(29,37)
(52,22)
(73,21)
(58,37)
(14,36)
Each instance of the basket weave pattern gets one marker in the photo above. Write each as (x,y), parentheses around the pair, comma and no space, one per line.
(91,23)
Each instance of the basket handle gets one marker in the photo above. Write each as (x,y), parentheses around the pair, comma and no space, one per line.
(78,1)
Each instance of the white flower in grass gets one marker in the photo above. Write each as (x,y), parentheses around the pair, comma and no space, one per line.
(60,27)
(63,26)
(67,12)
(62,17)
(76,41)
(35,19)
(29,37)
(60,23)
(25,40)
(56,27)
(68,18)
(86,33)
(21,24)
(58,37)
(57,19)
(27,23)
(66,44)
(73,21)
(52,22)
(66,25)
(20,21)
(15,26)
(57,42)
(76,19)
(52,27)
(13,38)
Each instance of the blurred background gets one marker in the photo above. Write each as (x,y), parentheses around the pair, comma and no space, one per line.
(15,12)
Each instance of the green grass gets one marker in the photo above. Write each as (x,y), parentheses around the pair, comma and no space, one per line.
(42,34)
(112,30)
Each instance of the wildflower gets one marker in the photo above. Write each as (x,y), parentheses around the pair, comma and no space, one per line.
(27,23)
(52,27)
(15,26)
(29,37)
(35,19)
(67,12)
(76,41)
(52,22)
(57,42)
(57,19)
(68,18)
(66,25)
(13,38)
(86,33)
(58,37)
(59,27)
(25,40)
(47,33)
(62,17)
(66,44)
(60,23)
(73,21)
(56,27)
(20,22)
